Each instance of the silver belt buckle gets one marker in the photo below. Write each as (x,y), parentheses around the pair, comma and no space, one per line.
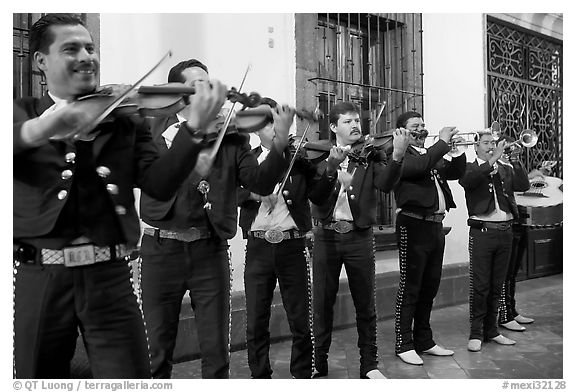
(190,235)
(79,255)
(342,227)
(273,236)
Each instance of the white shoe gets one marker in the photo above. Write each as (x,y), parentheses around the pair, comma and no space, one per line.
(410,357)
(513,326)
(503,340)
(474,345)
(375,373)
(523,320)
(439,351)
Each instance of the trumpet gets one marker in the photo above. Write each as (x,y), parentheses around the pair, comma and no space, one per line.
(494,127)
(474,136)
(466,135)
(528,138)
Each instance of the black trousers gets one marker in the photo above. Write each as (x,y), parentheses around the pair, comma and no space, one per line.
(421,253)
(354,250)
(507,306)
(489,256)
(169,269)
(52,302)
(286,263)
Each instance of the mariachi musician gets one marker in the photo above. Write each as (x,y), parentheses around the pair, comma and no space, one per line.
(276,226)
(74,215)
(423,197)
(343,236)
(489,185)
(185,246)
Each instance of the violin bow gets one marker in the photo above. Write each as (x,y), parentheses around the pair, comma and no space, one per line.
(222,132)
(370,135)
(300,143)
(121,97)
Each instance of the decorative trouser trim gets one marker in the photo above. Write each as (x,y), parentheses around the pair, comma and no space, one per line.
(230,271)
(402,250)
(471,278)
(308,256)
(138,293)
(14,274)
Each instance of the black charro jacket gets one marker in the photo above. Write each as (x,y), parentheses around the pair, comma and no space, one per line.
(305,183)
(416,191)
(234,165)
(124,156)
(380,174)
(478,185)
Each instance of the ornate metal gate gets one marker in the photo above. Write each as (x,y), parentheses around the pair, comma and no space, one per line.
(524,72)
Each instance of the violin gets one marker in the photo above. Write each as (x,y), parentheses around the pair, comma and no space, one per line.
(170,98)
(360,151)
(369,145)
(311,151)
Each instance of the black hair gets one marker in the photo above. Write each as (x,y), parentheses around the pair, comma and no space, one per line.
(341,108)
(175,74)
(41,36)
(402,119)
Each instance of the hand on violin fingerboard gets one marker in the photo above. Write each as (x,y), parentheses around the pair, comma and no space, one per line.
(401,141)
(336,157)
(205,104)
(283,118)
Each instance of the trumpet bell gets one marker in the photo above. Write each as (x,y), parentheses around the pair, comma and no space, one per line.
(528,138)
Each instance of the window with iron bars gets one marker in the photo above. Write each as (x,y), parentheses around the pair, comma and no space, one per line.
(373,60)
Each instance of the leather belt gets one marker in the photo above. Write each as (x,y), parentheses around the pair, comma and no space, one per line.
(430,218)
(276,236)
(341,227)
(71,256)
(189,235)
(485,225)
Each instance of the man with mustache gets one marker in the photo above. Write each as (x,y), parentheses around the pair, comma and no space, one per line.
(75,222)
(490,185)
(185,247)
(422,198)
(343,236)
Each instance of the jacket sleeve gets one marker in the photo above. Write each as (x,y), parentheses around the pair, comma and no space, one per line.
(318,184)
(455,168)
(417,165)
(243,196)
(520,181)
(260,179)
(19,116)
(387,175)
(161,176)
(475,175)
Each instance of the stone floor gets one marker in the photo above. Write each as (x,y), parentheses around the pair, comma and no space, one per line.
(537,354)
